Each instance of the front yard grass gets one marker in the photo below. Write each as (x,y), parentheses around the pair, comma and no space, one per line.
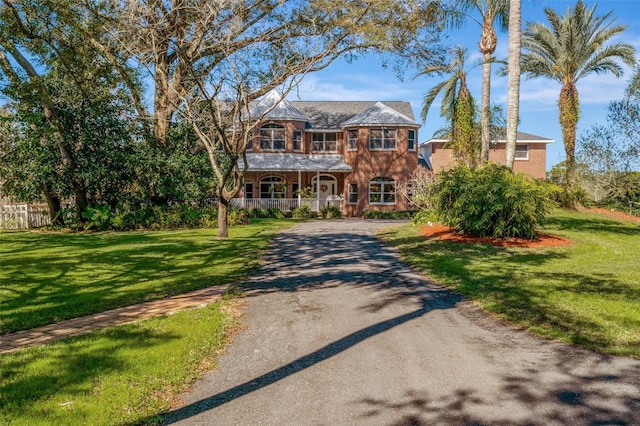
(586,293)
(49,277)
(120,375)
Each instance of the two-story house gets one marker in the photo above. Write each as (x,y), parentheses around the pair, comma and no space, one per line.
(352,154)
(530,158)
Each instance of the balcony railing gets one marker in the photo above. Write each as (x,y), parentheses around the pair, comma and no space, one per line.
(284,204)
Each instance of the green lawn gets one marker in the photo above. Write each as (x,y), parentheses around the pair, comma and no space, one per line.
(116,376)
(586,293)
(120,375)
(48,277)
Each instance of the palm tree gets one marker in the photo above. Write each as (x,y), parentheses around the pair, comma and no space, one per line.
(572,47)
(513,80)
(457,107)
(490,11)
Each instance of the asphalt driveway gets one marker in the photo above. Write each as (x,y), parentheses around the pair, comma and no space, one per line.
(340,331)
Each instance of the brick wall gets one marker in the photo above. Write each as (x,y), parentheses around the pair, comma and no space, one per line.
(535,165)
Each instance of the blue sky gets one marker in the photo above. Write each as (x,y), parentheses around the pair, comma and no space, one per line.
(366,79)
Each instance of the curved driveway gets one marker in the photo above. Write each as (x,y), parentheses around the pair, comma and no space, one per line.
(341,332)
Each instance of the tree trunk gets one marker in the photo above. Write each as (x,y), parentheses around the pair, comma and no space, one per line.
(569,107)
(53,202)
(81,204)
(486,108)
(513,80)
(223,219)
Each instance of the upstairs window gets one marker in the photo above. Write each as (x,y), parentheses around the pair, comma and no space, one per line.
(411,140)
(272,137)
(297,140)
(382,190)
(382,139)
(324,142)
(522,152)
(352,140)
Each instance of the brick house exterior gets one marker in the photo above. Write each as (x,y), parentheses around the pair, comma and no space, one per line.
(351,154)
(531,154)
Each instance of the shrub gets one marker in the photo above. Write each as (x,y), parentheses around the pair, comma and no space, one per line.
(304,212)
(238,217)
(492,201)
(98,218)
(423,217)
(388,214)
(331,212)
(275,213)
(258,213)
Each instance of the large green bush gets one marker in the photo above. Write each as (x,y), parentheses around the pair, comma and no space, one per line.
(304,212)
(492,201)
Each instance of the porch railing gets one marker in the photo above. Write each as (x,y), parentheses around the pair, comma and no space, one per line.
(284,204)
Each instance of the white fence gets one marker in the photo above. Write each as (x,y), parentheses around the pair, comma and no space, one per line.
(24,216)
(284,204)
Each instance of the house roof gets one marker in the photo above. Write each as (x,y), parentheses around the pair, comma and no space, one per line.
(331,115)
(380,114)
(273,106)
(521,138)
(289,162)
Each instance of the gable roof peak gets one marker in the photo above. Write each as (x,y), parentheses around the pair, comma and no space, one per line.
(274,106)
(380,114)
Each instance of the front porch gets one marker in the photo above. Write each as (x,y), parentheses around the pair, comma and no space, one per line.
(287,181)
(286,204)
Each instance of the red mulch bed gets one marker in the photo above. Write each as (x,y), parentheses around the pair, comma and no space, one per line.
(442,232)
(614,214)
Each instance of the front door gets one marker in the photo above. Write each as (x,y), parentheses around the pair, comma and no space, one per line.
(327,188)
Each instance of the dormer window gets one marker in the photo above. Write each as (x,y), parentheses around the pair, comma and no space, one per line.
(382,139)
(272,137)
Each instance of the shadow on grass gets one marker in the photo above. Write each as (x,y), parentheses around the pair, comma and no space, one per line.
(518,285)
(51,277)
(71,368)
(590,223)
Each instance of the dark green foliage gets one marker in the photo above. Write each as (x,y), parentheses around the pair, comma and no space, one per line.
(389,214)
(304,212)
(492,201)
(330,212)
(275,213)
(259,213)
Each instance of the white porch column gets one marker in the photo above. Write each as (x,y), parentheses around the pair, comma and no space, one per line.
(318,189)
(299,189)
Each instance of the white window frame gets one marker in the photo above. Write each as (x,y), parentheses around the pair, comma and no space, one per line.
(388,139)
(352,142)
(523,149)
(383,193)
(277,183)
(297,137)
(268,137)
(411,139)
(316,140)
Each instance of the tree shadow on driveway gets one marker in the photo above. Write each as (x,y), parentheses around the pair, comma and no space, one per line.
(429,303)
